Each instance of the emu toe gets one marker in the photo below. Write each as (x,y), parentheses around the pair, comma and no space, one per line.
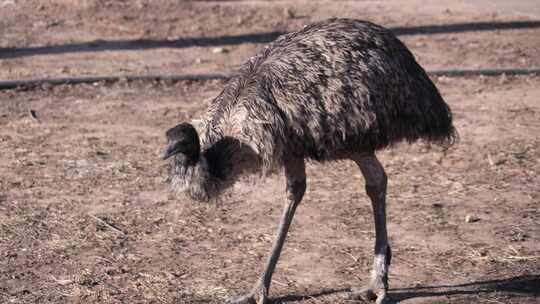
(369,294)
(247,299)
(255,297)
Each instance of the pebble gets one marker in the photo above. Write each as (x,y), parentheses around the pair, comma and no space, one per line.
(471,218)
(219,50)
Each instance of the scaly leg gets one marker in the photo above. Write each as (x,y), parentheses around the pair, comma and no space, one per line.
(376,182)
(295,173)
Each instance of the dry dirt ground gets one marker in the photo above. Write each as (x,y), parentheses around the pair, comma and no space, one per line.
(85,215)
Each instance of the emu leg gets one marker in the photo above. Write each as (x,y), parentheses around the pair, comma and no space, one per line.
(376,182)
(295,173)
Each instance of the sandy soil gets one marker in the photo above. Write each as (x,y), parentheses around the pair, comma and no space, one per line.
(85,215)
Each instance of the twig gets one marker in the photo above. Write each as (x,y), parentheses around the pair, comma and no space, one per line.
(62,282)
(494,301)
(355,259)
(516,252)
(506,258)
(279,283)
(108,225)
(522,258)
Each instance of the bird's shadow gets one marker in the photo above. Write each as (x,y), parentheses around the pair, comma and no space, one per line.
(519,286)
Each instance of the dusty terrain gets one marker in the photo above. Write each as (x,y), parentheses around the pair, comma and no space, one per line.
(85,213)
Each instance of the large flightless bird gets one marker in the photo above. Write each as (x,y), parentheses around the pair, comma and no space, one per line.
(334,90)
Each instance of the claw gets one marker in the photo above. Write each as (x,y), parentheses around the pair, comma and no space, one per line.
(258,296)
(248,299)
(365,294)
(369,294)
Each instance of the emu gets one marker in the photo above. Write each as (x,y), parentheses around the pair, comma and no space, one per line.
(335,90)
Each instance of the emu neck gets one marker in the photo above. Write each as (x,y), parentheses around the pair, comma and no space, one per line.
(194,179)
(216,170)
(185,160)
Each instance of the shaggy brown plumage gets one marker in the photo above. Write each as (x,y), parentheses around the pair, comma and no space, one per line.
(331,88)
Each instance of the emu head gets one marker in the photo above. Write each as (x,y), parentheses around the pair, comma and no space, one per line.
(182,141)
(190,173)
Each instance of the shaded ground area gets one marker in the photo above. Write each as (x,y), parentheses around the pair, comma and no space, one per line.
(85,215)
(172,37)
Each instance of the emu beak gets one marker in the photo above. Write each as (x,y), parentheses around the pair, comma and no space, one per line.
(167,152)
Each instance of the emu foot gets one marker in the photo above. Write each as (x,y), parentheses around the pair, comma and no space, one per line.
(369,294)
(257,296)
(247,299)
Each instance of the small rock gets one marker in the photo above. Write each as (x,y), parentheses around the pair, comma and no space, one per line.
(33,114)
(471,218)
(289,13)
(53,23)
(7,3)
(444,79)
(219,50)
